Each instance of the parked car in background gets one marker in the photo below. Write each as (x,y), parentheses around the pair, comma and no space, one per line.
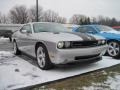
(52,44)
(112,36)
(6,34)
(116,28)
(6,30)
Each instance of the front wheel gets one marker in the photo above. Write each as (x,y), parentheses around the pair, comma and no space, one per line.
(114,49)
(43,59)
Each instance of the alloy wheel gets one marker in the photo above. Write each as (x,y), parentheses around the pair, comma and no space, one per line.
(41,57)
(113,49)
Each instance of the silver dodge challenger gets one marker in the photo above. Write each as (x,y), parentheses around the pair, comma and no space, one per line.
(52,44)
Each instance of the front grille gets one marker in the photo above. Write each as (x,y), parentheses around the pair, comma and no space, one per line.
(86,57)
(83,44)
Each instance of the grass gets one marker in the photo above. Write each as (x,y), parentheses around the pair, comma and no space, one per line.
(97,79)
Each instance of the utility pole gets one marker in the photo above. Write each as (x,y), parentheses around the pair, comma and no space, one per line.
(36,10)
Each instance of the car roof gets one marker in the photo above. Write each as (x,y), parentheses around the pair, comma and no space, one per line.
(92,25)
(42,22)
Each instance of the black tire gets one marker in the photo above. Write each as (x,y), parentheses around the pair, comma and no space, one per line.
(117,49)
(17,51)
(47,65)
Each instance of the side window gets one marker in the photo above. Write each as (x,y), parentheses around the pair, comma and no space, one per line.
(86,29)
(26,27)
(40,28)
(91,30)
(82,30)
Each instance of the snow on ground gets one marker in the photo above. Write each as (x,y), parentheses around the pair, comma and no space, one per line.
(17,73)
(2,40)
(4,54)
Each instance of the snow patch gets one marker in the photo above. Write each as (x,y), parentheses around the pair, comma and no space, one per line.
(3,40)
(17,73)
(6,54)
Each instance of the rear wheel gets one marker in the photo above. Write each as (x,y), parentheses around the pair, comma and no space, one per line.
(114,49)
(43,59)
(15,48)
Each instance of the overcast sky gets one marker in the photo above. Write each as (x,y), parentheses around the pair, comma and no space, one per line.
(67,8)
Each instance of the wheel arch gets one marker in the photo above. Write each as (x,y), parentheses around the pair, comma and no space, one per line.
(110,40)
(38,43)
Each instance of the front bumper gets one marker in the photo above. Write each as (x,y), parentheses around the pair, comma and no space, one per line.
(63,56)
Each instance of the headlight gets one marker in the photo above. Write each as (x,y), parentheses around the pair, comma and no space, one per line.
(101,42)
(60,44)
(67,44)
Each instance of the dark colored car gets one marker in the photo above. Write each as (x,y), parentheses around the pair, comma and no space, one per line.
(6,34)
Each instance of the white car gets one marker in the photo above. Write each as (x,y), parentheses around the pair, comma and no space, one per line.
(51,44)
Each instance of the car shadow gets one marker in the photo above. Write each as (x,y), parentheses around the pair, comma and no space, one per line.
(28,58)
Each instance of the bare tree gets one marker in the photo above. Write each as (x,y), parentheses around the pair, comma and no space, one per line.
(4,19)
(61,20)
(50,16)
(19,14)
(77,19)
(80,19)
(32,14)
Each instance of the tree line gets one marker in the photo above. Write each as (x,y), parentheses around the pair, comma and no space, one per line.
(102,20)
(21,14)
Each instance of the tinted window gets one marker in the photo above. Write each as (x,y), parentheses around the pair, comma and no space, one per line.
(49,27)
(86,29)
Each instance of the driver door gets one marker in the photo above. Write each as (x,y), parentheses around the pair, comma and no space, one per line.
(25,41)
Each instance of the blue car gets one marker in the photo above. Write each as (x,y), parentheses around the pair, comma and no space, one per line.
(112,36)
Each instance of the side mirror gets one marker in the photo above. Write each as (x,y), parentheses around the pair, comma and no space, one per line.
(24,31)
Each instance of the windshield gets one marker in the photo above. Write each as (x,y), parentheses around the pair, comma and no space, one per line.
(105,28)
(49,27)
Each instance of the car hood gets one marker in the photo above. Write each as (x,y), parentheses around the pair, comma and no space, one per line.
(112,32)
(111,35)
(71,36)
